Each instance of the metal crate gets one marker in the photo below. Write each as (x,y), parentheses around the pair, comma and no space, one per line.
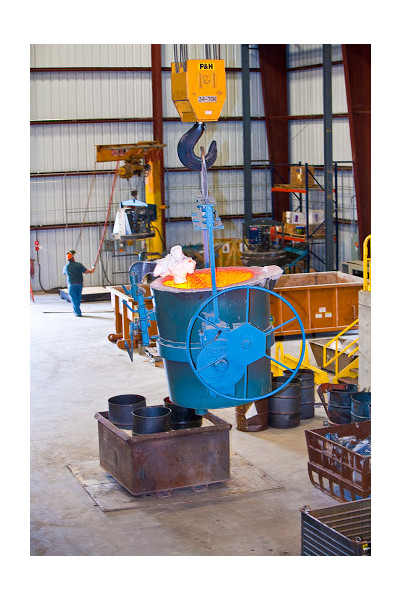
(339,530)
(335,469)
(162,462)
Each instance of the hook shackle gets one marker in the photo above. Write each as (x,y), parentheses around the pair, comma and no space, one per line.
(186,149)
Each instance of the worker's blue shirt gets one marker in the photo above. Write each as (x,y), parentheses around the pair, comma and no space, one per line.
(74,271)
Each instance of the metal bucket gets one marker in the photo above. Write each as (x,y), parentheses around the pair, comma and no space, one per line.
(120,408)
(149,420)
(284,406)
(338,407)
(307,392)
(182,417)
(361,407)
(257,422)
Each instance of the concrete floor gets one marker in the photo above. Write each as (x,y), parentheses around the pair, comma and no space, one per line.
(74,370)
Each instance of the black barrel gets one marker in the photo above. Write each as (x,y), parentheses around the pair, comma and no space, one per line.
(284,406)
(149,420)
(182,417)
(120,408)
(339,401)
(307,391)
(255,423)
(360,406)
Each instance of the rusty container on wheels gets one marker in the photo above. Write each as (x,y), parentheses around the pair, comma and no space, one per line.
(162,461)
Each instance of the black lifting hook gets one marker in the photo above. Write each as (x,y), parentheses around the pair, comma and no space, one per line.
(186,145)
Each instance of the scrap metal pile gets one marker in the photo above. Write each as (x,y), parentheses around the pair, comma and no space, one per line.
(363,447)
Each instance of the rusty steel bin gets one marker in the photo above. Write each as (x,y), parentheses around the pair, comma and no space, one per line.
(336,470)
(325,301)
(146,463)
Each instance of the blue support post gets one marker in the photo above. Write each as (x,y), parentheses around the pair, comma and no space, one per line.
(328,167)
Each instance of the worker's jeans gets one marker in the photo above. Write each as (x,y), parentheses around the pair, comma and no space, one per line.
(75,294)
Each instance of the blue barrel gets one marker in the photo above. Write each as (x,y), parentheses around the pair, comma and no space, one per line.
(175,308)
(360,407)
(338,408)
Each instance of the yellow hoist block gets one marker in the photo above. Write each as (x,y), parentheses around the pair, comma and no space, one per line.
(199,92)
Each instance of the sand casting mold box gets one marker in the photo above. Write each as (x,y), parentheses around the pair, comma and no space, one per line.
(145,463)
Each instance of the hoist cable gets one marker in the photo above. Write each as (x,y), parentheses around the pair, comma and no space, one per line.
(107,216)
(86,208)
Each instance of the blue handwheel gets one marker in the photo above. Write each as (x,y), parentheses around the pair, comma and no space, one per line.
(226,352)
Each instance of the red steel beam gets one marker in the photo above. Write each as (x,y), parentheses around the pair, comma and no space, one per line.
(274,84)
(357,72)
(158,132)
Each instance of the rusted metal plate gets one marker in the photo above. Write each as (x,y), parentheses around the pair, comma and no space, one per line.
(114,450)
(166,460)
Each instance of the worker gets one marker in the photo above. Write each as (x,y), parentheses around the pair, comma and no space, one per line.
(74,270)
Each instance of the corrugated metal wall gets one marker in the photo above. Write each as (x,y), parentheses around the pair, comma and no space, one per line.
(307,135)
(57,149)
(90,55)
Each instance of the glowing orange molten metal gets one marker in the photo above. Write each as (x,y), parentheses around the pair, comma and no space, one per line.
(227,276)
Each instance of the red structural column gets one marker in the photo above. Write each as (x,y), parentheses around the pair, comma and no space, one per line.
(274,85)
(357,72)
(158,132)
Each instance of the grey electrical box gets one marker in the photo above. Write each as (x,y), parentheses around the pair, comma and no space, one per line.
(108,246)
(355,251)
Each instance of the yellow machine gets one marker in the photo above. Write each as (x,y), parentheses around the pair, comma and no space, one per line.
(198,89)
(143,159)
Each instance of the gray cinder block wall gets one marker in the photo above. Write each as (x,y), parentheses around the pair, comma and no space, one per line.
(364,336)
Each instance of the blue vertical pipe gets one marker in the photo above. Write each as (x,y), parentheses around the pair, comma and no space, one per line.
(248,210)
(328,166)
(336,217)
(307,222)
